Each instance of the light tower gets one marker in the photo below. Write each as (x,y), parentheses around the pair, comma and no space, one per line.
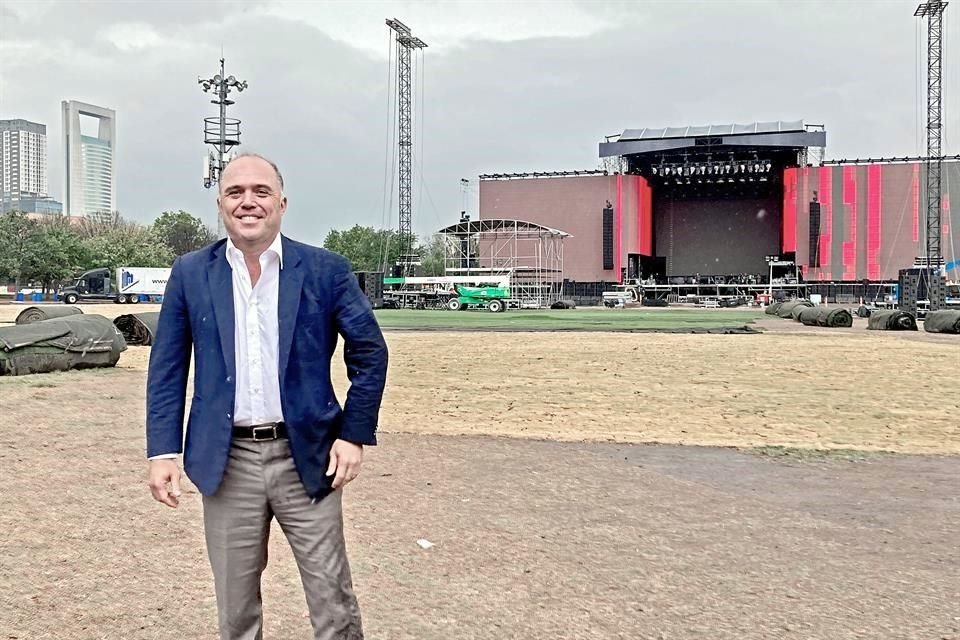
(221,132)
(933,257)
(406,43)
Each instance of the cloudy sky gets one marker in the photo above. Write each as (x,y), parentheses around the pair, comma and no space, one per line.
(518,86)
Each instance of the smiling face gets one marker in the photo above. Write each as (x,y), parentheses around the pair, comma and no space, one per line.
(251,203)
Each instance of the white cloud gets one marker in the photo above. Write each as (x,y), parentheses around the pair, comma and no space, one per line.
(442,25)
(132,36)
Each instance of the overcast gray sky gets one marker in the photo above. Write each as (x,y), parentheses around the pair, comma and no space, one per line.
(517,86)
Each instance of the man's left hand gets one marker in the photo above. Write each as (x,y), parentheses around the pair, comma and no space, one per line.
(345,461)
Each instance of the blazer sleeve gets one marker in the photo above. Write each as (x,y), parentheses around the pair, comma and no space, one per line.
(365,355)
(168,370)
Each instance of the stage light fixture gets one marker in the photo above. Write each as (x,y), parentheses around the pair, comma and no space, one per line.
(769,165)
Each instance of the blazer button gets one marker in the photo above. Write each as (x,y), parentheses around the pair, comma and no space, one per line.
(229,416)
(229,379)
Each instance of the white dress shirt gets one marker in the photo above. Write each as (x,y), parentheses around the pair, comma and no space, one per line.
(256,338)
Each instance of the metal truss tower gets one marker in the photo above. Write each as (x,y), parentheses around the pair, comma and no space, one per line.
(222,133)
(933,12)
(406,43)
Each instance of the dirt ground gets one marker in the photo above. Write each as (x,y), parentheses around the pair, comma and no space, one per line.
(562,530)
(792,386)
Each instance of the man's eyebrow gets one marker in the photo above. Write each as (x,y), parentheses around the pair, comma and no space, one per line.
(235,187)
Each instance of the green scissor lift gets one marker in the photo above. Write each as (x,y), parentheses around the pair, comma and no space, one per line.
(492,298)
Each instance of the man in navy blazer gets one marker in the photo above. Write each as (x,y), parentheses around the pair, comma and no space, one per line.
(266,436)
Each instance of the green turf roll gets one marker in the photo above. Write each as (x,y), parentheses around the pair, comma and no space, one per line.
(891,320)
(786,310)
(36,314)
(835,318)
(825,317)
(942,321)
(61,344)
(138,328)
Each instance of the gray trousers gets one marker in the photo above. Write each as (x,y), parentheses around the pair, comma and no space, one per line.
(261,483)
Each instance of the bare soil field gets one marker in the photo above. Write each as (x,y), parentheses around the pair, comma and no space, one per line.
(792,386)
(564,529)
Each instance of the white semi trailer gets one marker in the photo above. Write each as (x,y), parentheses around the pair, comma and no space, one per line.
(122,285)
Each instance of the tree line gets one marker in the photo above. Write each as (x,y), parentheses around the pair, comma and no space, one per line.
(371,249)
(45,253)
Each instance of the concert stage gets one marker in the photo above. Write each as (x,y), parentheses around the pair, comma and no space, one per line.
(717,205)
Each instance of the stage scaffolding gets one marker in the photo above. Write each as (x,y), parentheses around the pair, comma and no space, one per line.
(531,255)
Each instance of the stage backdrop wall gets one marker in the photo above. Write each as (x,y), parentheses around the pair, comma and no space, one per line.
(575,205)
(712,236)
(867,221)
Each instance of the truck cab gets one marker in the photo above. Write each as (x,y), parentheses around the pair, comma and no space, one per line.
(96,284)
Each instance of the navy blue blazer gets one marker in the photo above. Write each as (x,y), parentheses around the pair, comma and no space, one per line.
(319,299)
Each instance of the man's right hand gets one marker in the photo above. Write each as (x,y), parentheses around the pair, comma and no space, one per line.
(164,472)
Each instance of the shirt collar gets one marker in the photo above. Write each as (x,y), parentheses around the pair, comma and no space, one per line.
(276,247)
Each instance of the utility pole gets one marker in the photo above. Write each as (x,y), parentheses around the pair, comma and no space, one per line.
(406,43)
(933,12)
(221,132)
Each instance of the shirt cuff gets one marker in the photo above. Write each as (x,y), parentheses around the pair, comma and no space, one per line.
(164,456)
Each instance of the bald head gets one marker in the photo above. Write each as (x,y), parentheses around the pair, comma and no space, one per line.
(256,158)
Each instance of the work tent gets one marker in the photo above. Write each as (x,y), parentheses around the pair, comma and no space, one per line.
(61,344)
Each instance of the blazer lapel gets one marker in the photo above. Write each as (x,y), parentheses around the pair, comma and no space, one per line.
(291,284)
(220,281)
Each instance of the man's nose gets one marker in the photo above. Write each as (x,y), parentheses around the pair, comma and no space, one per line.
(248,201)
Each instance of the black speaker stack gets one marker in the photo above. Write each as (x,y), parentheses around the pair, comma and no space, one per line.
(371,283)
(913,287)
(607,235)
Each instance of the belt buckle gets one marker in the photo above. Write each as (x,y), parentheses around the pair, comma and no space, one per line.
(270,429)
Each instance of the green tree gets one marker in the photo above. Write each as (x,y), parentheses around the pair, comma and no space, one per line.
(126,244)
(57,253)
(16,249)
(367,248)
(433,256)
(182,232)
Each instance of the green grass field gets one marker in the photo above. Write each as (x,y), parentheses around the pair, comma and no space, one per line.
(570,320)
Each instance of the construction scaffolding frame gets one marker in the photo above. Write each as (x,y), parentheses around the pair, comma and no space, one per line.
(529,254)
